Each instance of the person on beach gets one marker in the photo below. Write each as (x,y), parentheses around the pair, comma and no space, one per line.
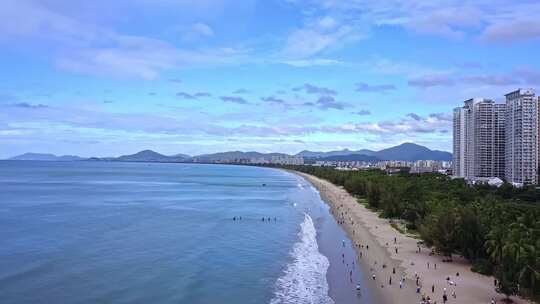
(433,288)
(400,284)
(427,265)
(390,281)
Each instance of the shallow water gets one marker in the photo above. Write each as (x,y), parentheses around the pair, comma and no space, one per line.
(87,232)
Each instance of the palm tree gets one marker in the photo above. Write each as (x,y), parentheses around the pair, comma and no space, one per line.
(495,244)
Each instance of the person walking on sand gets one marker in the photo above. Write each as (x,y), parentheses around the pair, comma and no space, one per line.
(433,288)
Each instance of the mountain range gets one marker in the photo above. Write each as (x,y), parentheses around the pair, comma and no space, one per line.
(406,152)
(46,157)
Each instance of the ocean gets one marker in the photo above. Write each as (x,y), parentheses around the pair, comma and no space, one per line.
(110,232)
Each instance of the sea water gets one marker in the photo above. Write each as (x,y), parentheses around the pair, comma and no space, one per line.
(108,232)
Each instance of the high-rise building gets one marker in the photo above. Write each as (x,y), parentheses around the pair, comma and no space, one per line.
(458,155)
(479,139)
(521,131)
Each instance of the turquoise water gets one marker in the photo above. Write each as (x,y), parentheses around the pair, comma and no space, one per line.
(102,232)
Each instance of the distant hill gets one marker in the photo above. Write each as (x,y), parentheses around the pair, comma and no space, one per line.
(351,157)
(412,152)
(148,156)
(144,156)
(46,157)
(180,155)
(312,154)
(406,152)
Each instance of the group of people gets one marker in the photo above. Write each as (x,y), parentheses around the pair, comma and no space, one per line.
(425,298)
(263,219)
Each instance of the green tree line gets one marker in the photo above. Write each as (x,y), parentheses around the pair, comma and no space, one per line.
(497,229)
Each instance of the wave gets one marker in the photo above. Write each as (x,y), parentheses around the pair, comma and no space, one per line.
(304,280)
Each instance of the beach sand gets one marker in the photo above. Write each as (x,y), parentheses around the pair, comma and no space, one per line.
(365,227)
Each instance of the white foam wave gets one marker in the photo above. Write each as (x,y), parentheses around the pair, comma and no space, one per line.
(304,280)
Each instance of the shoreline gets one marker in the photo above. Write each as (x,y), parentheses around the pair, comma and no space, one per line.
(366,228)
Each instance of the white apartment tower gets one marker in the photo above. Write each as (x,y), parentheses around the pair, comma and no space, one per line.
(458,155)
(521,131)
(479,139)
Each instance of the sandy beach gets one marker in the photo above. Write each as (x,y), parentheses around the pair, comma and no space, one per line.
(390,256)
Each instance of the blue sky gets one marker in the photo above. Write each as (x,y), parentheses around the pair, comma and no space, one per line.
(104,78)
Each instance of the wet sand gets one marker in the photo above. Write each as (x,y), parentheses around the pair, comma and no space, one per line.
(364,227)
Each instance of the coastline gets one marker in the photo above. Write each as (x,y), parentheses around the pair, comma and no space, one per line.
(364,227)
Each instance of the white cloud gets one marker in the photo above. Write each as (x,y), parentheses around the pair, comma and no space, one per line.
(203,29)
(319,36)
(498,20)
(93,49)
(511,31)
(312,62)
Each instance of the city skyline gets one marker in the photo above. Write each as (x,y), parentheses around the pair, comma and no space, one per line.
(100,78)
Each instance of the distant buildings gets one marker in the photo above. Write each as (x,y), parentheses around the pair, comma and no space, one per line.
(497,140)
(259,160)
(390,166)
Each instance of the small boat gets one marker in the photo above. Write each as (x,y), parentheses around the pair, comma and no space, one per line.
(264,185)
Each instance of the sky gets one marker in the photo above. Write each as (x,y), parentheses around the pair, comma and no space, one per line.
(106,78)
